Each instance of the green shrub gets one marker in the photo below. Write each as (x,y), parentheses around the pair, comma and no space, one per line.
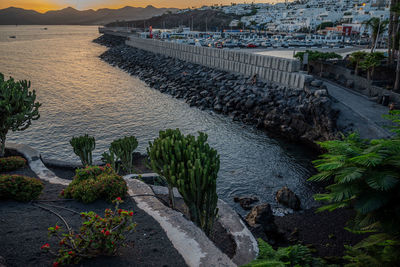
(97,236)
(192,166)
(83,147)
(121,150)
(20,188)
(11,163)
(95,182)
(365,175)
(296,255)
(17,108)
(376,250)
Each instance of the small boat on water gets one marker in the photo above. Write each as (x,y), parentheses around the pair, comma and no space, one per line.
(45,29)
(12,36)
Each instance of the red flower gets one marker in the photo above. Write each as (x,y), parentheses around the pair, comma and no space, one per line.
(56,264)
(57,227)
(118,198)
(119,211)
(107,233)
(45,246)
(108,165)
(70,252)
(131,213)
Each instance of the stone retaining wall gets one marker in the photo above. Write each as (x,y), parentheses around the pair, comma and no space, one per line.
(279,70)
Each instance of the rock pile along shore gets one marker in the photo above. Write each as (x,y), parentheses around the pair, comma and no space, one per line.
(304,115)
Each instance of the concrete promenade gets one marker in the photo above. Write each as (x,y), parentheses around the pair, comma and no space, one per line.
(357,109)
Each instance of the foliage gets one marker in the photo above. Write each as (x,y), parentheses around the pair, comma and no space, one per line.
(94,182)
(192,166)
(11,163)
(365,175)
(371,61)
(316,55)
(296,255)
(20,188)
(97,236)
(121,149)
(377,27)
(394,116)
(356,58)
(17,107)
(325,24)
(375,250)
(83,147)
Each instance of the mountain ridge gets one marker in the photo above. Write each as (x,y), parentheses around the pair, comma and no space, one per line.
(72,16)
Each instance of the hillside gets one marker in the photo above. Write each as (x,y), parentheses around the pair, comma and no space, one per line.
(71,16)
(202,20)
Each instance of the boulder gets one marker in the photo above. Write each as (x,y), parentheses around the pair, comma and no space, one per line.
(245,202)
(288,198)
(262,215)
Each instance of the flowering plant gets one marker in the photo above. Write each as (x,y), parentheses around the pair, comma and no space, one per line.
(97,235)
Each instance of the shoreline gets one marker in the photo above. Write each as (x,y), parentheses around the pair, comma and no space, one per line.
(295,114)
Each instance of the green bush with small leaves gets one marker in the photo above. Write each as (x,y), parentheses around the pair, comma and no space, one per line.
(96,182)
(20,188)
(11,163)
(296,255)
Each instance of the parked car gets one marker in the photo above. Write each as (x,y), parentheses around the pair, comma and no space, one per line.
(251,45)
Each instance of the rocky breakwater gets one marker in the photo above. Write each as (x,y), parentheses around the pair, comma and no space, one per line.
(298,114)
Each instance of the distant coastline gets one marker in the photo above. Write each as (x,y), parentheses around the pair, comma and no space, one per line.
(71,16)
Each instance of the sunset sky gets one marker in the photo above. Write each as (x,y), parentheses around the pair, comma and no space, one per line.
(45,5)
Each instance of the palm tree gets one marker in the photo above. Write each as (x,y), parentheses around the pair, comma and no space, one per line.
(377,27)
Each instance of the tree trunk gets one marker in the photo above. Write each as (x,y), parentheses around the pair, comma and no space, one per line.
(396,86)
(390,34)
(3,144)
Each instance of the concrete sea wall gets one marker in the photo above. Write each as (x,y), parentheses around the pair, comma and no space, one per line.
(274,69)
(300,114)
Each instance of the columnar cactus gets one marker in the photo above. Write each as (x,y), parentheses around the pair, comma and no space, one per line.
(17,107)
(83,147)
(121,149)
(192,166)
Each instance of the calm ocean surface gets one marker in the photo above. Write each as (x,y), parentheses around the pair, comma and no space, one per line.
(82,94)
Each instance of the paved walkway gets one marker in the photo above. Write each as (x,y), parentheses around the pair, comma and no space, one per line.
(357,110)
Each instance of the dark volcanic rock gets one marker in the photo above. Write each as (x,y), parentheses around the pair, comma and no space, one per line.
(288,198)
(302,115)
(262,222)
(245,202)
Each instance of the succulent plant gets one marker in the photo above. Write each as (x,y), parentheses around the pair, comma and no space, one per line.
(192,166)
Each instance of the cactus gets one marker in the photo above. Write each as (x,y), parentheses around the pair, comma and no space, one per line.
(17,108)
(83,147)
(121,150)
(192,166)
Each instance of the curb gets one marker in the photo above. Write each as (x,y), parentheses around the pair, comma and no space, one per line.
(194,246)
(36,164)
(246,244)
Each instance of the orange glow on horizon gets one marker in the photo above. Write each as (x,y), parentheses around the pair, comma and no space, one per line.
(37,5)
(46,5)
